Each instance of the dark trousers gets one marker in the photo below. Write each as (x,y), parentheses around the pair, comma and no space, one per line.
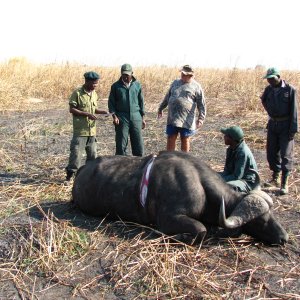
(79,145)
(132,129)
(280,150)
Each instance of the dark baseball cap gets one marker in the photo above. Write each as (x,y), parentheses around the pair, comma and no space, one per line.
(235,132)
(126,69)
(271,73)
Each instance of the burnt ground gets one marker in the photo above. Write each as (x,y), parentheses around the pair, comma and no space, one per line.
(35,202)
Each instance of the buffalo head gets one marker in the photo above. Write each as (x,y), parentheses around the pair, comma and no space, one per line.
(254,217)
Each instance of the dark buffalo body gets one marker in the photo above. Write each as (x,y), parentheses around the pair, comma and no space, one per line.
(184,193)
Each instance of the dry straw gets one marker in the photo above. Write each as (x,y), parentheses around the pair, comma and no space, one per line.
(47,247)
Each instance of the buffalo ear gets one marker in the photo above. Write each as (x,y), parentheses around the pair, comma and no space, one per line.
(251,207)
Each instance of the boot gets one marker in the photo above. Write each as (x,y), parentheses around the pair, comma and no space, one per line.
(284,189)
(70,174)
(275,181)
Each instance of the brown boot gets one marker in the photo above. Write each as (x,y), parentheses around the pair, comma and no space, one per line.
(284,189)
(171,142)
(275,181)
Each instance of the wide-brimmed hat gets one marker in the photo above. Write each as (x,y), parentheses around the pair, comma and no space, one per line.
(235,132)
(271,73)
(187,70)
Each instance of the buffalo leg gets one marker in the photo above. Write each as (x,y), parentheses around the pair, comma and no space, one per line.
(183,228)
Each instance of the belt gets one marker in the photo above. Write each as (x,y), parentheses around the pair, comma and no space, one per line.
(278,119)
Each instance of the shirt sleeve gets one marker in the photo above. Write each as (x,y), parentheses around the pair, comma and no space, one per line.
(294,112)
(73,100)
(201,105)
(165,102)
(141,101)
(112,100)
(263,98)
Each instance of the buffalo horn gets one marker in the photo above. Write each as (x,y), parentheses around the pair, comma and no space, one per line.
(230,222)
(251,207)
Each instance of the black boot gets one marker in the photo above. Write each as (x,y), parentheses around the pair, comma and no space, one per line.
(284,189)
(275,181)
(70,174)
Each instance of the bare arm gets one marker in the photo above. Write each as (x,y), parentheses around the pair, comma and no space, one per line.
(101,112)
(81,113)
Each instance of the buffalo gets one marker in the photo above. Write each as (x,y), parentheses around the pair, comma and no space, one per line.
(177,193)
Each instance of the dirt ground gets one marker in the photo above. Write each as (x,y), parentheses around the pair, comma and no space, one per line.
(35,202)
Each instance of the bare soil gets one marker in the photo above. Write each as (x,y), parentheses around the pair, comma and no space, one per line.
(35,204)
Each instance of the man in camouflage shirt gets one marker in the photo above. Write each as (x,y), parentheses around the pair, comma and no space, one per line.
(183,99)
(280,101)
(83,107)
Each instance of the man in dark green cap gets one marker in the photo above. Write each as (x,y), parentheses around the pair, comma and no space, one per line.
(240,162)
(280,101)
(126,103)
(83,107)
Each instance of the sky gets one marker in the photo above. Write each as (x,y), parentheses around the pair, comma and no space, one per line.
(208,34)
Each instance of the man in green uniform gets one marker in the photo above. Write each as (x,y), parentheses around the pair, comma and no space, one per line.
(126,103)
(83,107)
(240,162)
(280,101)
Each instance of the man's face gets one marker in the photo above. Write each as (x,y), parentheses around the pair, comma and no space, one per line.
(90,85)
(186,78)
(228,140)
(274,81)
(126,78)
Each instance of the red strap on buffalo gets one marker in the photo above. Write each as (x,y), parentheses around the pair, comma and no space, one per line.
(145,181)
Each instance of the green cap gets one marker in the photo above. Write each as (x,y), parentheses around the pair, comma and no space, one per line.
(91,75)
(271,73)
(235,132)
(126,69)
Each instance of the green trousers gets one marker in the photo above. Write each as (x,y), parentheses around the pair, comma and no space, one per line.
(79,145)
(133,129)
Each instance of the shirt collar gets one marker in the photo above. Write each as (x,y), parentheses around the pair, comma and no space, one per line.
(127,84)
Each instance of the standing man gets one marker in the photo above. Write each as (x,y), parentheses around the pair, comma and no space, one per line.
(83,103)
(184,97)
(280,101)
(240,170)
(126,103)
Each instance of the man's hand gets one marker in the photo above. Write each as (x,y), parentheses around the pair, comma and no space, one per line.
(159,115)
(91,116)
(143,124)
(199,123)
(116,120)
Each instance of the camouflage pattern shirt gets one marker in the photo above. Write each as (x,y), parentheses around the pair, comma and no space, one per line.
(183,100)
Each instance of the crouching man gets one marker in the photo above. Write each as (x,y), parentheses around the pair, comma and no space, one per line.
(240,163)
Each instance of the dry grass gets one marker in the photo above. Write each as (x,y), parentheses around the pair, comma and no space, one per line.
(21,80)
(48,249)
